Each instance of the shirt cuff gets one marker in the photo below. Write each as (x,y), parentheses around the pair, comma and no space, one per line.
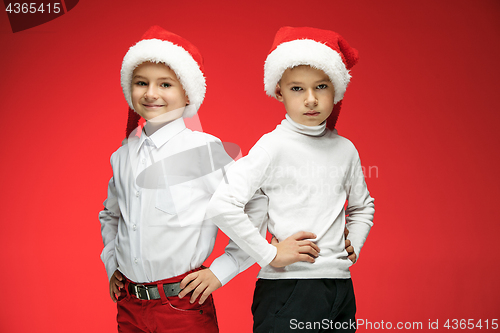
(111,266)
(224,268)
(266,260)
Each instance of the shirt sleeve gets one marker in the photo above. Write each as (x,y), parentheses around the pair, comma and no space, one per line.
(235,260)
(109,217)
(360,208)
(227,207)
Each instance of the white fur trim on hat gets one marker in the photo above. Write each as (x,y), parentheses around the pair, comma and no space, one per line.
(177,58)
(306,52)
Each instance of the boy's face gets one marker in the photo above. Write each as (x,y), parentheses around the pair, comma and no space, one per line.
(307,94)
(156,91)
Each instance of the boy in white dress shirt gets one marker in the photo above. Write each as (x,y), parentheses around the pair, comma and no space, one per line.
(308,173)
(153,225)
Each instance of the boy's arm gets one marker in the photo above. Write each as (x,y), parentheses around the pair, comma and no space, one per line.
(351,255)
(360,209)
(245,213)
(109,217)
(232,262)
(235,260)
(226,209)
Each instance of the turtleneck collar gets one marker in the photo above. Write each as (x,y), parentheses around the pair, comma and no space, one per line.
(303,129)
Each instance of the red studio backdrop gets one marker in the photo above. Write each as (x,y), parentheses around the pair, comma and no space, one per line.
(422,109)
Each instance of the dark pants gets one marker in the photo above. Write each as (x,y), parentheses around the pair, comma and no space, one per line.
(304,305)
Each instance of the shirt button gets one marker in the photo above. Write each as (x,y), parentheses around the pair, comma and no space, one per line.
(143,161)
(134,227)
(136,260)
(137,193)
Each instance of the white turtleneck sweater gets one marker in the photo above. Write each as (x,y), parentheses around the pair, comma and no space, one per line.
(308,173)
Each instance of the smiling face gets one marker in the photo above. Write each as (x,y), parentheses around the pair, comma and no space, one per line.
(156,90)
(307,94)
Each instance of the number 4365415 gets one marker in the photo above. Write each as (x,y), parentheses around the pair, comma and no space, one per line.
(470,324)
(26,8)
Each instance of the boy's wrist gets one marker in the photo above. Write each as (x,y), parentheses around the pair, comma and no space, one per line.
(273,252)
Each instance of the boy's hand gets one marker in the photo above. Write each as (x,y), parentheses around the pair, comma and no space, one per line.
(348,247)
(295,248)
(115,283)
(203,282)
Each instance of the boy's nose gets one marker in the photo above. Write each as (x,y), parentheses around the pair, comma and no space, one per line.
(310,98)
(151,93)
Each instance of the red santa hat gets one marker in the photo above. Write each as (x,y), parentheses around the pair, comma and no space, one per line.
(160,46)
(322,49)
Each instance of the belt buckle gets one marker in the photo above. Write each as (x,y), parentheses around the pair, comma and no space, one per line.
(140,287)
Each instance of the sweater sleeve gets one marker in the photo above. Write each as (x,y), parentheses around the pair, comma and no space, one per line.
(109,217)
(360,208)
(235,260)
(227,207)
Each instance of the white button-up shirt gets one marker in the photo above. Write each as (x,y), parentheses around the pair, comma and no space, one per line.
(153,225)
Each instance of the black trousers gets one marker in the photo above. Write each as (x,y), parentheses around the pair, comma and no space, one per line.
(304,305)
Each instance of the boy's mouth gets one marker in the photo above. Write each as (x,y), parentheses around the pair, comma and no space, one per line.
(311,113)
(152,105)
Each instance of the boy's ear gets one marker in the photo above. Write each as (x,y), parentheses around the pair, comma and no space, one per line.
(277,92)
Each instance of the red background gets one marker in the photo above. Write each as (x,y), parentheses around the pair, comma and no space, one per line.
(422,108)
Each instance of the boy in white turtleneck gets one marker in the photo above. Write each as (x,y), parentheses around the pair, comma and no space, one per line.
(308,172)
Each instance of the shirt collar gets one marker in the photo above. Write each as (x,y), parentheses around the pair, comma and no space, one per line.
(162,135)
(303,129)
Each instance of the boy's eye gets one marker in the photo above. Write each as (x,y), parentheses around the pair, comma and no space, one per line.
(165,85)
(141,83)
(322,86)
(296,88)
